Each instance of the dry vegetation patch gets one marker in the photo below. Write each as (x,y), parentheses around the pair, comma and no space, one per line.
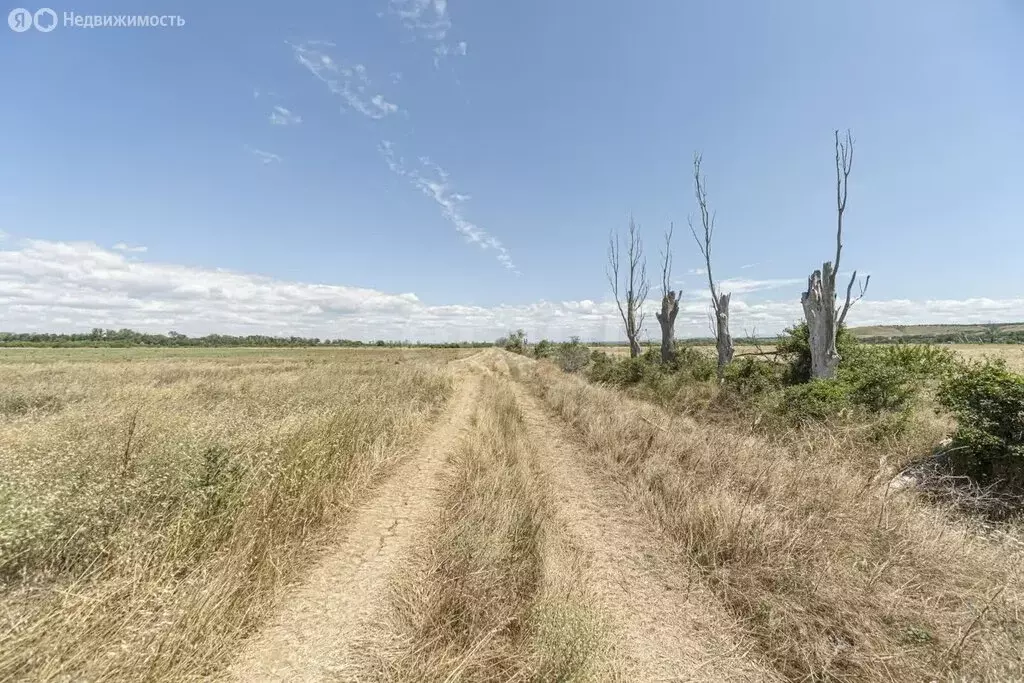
(488,597)
(151,507)
(833,575)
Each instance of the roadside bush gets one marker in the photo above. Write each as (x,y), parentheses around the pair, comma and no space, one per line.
(543,349)
(514,342)
(693,363)
(988,402)
(572,356)
(620,372)
(817,400)
(749,376)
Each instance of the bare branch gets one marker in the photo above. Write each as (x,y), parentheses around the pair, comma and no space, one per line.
(666,261)
(849,289)
(844,164)
(612,271)
(630,303)
(707,219)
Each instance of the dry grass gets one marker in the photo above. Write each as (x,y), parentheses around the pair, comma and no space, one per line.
(1013,354)
(490,596)
(834,575)
(153,505)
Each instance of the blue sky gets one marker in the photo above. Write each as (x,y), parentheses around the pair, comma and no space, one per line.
(421,169)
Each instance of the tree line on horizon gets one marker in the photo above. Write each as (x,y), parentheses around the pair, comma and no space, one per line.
(126,337)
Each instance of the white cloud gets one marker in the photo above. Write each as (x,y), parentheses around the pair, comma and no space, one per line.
(744,286)
(264,157)
(429,20)
(432,180)
(283,117)
(426,18)
(121,246)
(66,286)
(697,271)
(748,265)
(350,82)
(443,50)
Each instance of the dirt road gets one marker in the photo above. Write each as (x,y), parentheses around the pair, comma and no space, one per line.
(663,624)
(340,606)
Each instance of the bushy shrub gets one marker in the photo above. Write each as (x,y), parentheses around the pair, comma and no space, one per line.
(601,366)
(693,363)
(514,342)
(572,356)
(748,376)
(817,400)
(620,372)
(891,377)
(543,349)
(988,401)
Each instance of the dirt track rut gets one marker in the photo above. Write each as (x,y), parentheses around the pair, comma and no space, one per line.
(340,605)
(666,627)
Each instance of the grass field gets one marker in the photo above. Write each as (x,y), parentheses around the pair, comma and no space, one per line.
(409,515)
(154,502)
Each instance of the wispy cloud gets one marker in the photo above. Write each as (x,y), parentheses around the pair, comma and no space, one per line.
(445,50)
(745,286)
(428,20)
(264,157)
(747,265)
(65,286)
(697,271)
(283,117)
(121,246)
(433,181)
(350,82)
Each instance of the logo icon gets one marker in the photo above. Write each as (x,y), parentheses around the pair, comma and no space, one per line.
(20,19)
(41,23)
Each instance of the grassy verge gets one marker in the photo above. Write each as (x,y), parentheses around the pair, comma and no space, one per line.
(494,595)
(834,575)
(150,512)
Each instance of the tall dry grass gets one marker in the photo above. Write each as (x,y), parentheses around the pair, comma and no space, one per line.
(494,595)
(151,510)
(835,576)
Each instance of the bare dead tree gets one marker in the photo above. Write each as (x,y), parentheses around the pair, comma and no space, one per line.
(719,300)
(820,300)
(634,282)
(669,302)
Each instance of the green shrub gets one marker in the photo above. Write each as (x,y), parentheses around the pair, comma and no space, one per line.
(988,401)
(890,377)
(543,349)
(815,401)
(693,364)
(750,376)
(620,372)
(514,342)
(572,356)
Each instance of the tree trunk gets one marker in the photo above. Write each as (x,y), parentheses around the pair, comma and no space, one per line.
(632,333)
(819,302)
(634,347)
(667,319)
(722,337)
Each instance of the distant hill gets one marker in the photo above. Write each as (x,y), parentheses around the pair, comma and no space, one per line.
(992,333)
